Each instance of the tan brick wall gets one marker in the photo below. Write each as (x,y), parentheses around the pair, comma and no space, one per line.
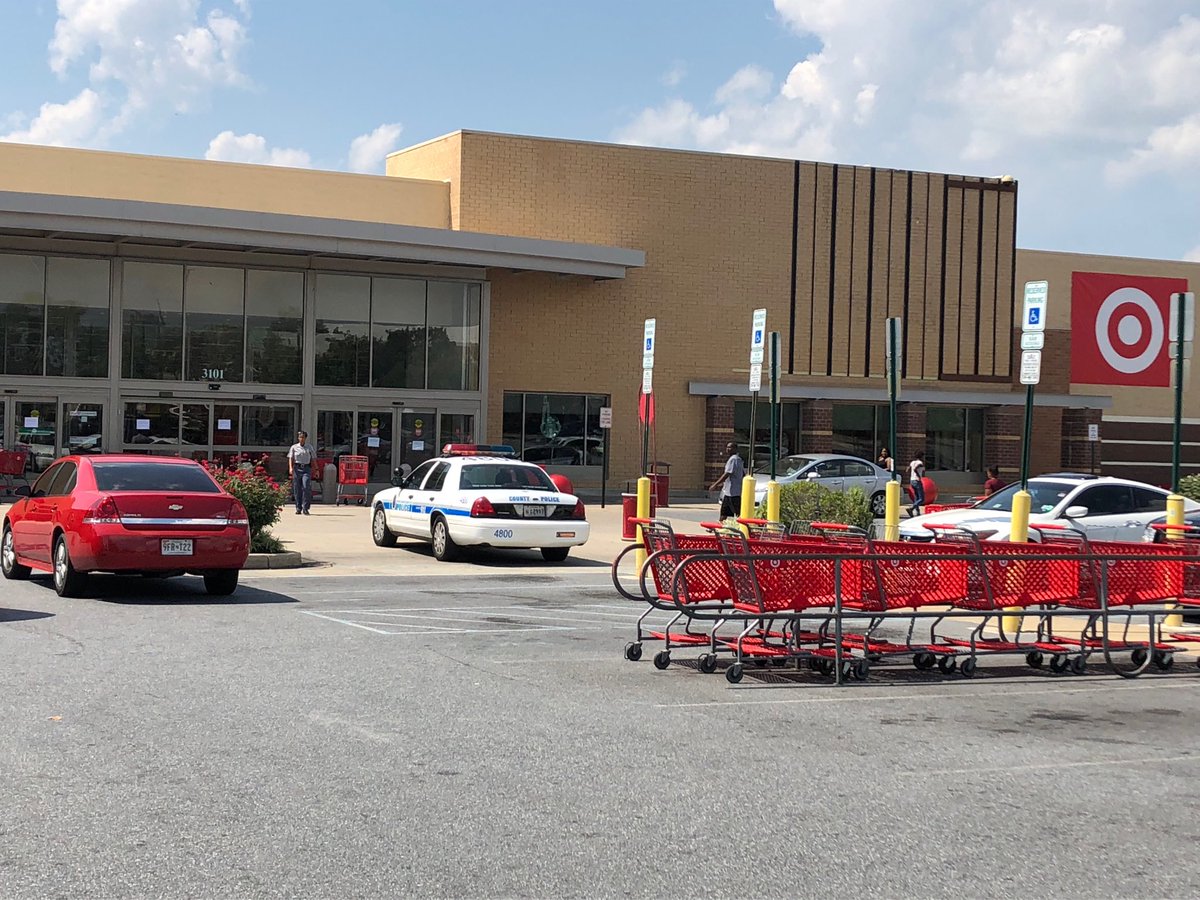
(437,160)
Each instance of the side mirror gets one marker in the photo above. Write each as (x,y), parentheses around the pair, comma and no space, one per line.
(1075,512)
(21,490)
(812,473)
(398,478)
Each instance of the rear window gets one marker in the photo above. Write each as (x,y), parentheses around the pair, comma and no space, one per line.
(144,476)
(502,475)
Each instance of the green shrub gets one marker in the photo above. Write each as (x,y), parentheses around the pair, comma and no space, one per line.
(265,542)
(802,503)
(261,494)
(1189,486)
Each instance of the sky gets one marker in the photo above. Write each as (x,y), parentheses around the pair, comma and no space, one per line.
(1092,105)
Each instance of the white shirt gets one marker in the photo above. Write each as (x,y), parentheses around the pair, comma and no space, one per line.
(916,469)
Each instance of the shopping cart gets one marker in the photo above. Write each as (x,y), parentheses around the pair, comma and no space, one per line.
(352,480)
(12,468)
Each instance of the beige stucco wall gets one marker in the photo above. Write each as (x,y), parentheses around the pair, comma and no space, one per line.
(436,160)
(192,182)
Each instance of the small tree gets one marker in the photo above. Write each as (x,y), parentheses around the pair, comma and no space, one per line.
(802,503)
(262,495)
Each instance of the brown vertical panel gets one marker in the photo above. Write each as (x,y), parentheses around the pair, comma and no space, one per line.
(880,267)
(917,348)
(968,282)
(805,235)
(896,255)
(841,248)
(952,281)
(821,277)
(1006,255)
(859,305)
(935,228)
(791,332)
(987,284)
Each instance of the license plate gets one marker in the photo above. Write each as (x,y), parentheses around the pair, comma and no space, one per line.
(177,547)
(533,512)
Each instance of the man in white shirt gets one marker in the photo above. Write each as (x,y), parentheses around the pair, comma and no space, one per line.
(916,481)
(300,460)
(730,483)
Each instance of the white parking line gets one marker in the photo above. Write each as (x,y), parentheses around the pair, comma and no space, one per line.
(1050,767)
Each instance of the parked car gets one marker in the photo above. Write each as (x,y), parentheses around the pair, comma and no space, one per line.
(478,496)
(1153,535)
(125,514)
(830,470)
(1105,509)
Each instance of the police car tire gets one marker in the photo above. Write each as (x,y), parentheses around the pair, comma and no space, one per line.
(380,533)
(444,548)
(555,554)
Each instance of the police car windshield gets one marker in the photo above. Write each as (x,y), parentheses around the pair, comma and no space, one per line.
(484,476)
(1044,496)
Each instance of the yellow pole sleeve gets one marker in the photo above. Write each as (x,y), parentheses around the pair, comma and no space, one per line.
(747,510)
(1011,625)
(1174,517)
(772,501)
(891,515)
(643,511)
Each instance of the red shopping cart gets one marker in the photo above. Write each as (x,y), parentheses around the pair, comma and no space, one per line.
(12,468)
(352,480)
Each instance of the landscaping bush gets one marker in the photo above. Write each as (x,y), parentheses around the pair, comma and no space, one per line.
(261,494)
(1189,486)
(265,542)
(803,502)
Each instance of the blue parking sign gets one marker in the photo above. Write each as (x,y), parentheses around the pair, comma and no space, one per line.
(1035,315)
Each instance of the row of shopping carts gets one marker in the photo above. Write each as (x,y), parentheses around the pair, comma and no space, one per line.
(832,598)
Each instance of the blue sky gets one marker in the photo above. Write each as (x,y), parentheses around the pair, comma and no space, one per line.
(1091,104)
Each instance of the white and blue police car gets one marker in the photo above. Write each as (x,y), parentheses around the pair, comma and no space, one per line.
(479,495)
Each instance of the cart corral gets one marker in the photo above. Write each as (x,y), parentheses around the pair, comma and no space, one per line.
(832,600)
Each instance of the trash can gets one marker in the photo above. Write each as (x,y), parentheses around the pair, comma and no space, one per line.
(629,513)
(660,483)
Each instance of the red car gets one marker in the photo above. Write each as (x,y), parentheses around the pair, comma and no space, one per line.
(125,514)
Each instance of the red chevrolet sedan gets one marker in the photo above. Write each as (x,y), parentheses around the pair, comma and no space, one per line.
(125,514)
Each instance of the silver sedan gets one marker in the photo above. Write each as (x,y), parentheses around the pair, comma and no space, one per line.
(830,470)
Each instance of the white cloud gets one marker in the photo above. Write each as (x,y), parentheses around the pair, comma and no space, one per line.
(368,151)
(747,83)
(252,148)
(1171,148)
(674,76)
(1193,255)
(62,124)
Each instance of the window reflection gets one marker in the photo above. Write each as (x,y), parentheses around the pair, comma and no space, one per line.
(274,326)
(22,313)
(453,336)
(398,332)
(269,426)
(214,323)
(77,292)
(555,429)
(152,321)
(151,425)
(343,349)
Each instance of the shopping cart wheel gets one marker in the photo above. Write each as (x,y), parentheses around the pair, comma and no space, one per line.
(708,663)
(1058,662)
(1034,659)
(968,667)
(825,667)
(633,651)
(860,669)
(1138,656)
(1079,665)
(947,664)
(1164,660)
(662,659)
(734,673)
(924,660)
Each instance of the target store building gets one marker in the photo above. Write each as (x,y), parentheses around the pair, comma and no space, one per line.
(493,287)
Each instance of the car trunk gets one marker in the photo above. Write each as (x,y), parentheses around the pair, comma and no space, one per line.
(153,511)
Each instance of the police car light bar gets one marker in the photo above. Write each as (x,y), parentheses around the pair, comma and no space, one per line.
(478,450)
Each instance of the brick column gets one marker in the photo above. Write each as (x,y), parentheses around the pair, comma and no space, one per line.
(816,427)
(910,435)
(1076,448)
(1002,430)
(718,431)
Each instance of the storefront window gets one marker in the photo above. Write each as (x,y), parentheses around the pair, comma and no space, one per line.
(152,426)
(955,439)
(454,336)
(152,321)
(226,421)
(456,428)
(788,436)
(22,313)
(196,417)
(269,426)
(83,428)
(343,350)
(555,429)
(77,293)
(214,323)
(398,333)
(274,326)
(335,431)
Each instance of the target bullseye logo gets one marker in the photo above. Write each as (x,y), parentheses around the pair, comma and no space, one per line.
(1119,328)
(1137,338)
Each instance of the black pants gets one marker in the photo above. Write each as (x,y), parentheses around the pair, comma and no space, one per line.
(731,507)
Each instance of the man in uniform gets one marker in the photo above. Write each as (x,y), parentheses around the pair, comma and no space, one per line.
(300,460)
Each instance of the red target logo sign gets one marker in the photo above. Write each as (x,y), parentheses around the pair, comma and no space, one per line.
(1119,328)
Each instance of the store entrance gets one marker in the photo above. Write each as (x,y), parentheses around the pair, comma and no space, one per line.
(47,427)
(390,437)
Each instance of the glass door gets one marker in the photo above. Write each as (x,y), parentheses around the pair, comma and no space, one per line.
(35,423)
(82,428)
(375,440)
(416,437)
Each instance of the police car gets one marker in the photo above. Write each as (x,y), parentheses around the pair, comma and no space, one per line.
(478,495)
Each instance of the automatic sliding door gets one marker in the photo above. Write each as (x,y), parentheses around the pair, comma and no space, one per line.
(83,428)
(36,426)
(418,437)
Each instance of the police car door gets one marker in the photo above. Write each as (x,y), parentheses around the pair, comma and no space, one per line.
(408,502)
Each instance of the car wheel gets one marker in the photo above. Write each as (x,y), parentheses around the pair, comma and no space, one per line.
(879,505)
(444,548)
(222,582)
(67,581)
(555,554)
(8,558)
(382,536)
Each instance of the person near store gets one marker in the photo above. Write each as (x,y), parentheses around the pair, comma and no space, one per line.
(885,460)
(994,482)
(300,459)
(730,483)
(916,482)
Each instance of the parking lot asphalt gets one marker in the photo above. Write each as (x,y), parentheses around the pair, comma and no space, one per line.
(478,733)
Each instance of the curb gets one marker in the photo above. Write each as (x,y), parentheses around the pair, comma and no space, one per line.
(288,559)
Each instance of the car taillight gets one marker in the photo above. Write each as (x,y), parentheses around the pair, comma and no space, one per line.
(579,511)
(103,512)
(482,507)
(237,514)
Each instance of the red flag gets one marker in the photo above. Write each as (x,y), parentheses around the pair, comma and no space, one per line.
(646,409)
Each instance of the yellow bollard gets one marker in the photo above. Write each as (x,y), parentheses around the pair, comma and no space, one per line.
(1011,625)
(772,501)
(747,510)
(643,511)
(891,515)
(1174,517)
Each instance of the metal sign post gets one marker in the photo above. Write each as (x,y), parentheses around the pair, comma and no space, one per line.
(1033,322)
(894,351)
(606,426)
(758,339)
(774,401)
(647,386)
(1093,439)
(1182,327)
